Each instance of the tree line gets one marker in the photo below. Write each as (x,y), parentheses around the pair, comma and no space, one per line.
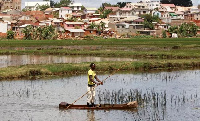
(185,3)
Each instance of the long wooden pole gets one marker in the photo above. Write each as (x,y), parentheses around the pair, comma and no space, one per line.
(97,85)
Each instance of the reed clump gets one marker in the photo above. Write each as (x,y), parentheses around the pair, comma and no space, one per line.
(49,70)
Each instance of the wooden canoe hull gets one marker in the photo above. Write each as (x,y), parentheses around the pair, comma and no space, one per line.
(64,105)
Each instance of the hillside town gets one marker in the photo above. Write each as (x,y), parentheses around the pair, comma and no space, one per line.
(77,21)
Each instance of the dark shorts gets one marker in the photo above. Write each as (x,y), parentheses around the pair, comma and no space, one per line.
(91,85)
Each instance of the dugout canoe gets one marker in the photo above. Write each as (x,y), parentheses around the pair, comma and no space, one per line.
(131,105)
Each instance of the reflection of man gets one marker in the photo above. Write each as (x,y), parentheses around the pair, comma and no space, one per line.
(91,85)
(90,115)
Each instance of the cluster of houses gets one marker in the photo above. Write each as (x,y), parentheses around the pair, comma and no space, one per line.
(120,22)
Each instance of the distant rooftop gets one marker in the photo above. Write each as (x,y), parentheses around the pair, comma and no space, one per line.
(112,8)
(169,5)
(40,3)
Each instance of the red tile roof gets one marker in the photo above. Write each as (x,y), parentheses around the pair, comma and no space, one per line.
(170,5)
(66,7)
(112,8)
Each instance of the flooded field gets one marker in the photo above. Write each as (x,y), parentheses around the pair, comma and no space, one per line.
(17,60)
(164,96)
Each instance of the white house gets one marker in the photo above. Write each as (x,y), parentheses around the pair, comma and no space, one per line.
(196,16)
(180,15)
(34,5)
(3,27)
(75,6)
(169,7)
(65,12)
(90,10)
(152,4)
(140,8)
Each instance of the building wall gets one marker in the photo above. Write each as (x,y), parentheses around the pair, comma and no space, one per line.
(153,4)
(11,4)
(197,16)
(125,13)
(3,27)
(90,32)
(65,13)
(120,30)
(76,7)
(73,26)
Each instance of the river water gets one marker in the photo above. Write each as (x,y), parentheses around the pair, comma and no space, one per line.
(17,60)
(163,96)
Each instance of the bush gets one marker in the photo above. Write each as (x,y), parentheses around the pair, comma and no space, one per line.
(164,35)
(10,34)
(143,36)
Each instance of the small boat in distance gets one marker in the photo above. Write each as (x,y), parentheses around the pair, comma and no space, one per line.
(130,105)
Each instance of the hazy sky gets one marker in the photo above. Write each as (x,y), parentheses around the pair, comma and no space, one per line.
(97,3)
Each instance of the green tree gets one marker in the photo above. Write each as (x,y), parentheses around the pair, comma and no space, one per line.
(188,30)
(164,34)
(48,32)
(184,30)
(102,25)
(10,34)
(148,19)
(38,33)
(173,29)
(122,4)
(64,3)
(25,9)
(28,32)
(106,5)
(149,25)
(42,7)
(185,3)
(105,13)
(92,26)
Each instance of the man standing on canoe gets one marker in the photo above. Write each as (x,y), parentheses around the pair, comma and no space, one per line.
(91,85)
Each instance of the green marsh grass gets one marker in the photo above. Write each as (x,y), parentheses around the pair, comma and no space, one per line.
(151,54)
(53,70)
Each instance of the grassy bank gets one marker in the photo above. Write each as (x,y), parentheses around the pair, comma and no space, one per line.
(134,48)
(53,70)
(153,54)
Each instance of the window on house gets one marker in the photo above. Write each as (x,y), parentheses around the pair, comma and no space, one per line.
(78,7)
(122,26)
(144,12)
(117,26)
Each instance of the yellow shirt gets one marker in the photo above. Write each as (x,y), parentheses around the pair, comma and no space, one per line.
(92,73)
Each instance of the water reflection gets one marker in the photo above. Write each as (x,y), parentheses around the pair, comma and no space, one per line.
(17,60)
(161,96)
(90,115)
